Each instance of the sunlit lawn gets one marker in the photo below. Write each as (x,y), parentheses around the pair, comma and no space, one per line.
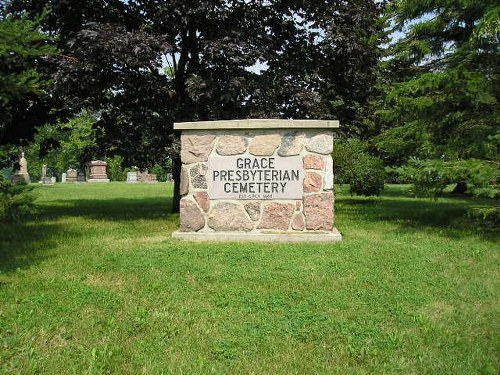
(95,285)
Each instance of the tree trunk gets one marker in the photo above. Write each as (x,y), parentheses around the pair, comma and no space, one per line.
(176,174)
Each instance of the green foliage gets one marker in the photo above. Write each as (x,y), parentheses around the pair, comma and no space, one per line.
(431,177)
(441,82)
(161,170)
(486,215)
(353,165)
(64,145)
(16,201)
(115,169)
(22,79)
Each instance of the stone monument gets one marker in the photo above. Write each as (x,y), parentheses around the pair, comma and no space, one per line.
(98,171)
(151,178)
(63,177)
(44,179)
(80,177)
(132,177)
(257,180)
(71,175)
(22,174)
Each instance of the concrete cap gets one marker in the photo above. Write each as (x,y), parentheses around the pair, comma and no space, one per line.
(257,124)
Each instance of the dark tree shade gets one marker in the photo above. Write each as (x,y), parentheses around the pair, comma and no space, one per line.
(318,60)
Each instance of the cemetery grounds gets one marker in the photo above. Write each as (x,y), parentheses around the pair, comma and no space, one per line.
(94,284)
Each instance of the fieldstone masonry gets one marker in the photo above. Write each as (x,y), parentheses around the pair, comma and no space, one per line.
(257,180)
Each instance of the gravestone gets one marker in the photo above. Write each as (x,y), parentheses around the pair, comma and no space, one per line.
(151,178)
(80,177)
(98,171)
(257,180)
(145,176)
(63,178)
(142,176)
(44,179)
(71,175)
(22,174)
(132,177)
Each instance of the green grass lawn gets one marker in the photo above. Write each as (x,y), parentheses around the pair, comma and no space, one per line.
(95,285)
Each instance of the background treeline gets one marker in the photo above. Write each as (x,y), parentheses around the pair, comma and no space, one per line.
(415,84)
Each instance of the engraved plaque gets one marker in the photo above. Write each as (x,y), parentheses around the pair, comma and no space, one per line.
(251,177)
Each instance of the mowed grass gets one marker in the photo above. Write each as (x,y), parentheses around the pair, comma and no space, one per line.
(96,285)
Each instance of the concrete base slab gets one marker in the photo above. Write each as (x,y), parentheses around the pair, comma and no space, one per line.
(98,180)
(283,237)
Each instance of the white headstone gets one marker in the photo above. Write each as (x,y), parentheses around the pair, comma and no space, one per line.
(132,177)
(63,177)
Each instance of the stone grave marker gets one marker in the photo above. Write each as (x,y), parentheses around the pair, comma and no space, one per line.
(152,178)
(257,180)
(80,177)
(22,174)
(44,179)
(98,171)
(132,177)
(71,175)
(63,177)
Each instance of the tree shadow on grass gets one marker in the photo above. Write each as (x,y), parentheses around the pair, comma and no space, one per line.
(23,245)
(449,216)
(117,209)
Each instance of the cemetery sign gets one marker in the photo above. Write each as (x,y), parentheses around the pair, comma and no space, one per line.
(257,180)
(238,177)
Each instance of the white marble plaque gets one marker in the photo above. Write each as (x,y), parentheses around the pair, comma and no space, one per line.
(251,177)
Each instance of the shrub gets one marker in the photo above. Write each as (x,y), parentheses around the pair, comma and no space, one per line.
(430,177)
(16,201)
(115,169)
(355,166)
(161,170)
(488,217)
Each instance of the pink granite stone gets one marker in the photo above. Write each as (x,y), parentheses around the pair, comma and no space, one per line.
(232,145)
(227,216)
(321,143)
(298,222)
(298,206)
(318,210)
(192,219)
(312,182)
(277,216)
(264,145)
(184,187)
(201,197)
(195,148)
(313,162)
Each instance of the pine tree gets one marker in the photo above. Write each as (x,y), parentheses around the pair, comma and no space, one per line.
(442,81)
(23,49)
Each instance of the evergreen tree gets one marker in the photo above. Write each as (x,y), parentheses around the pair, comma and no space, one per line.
(23,78)
(442,83)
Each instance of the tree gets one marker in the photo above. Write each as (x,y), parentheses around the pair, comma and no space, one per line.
(23,79)
(442,82)
(318,60)
(63,145)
